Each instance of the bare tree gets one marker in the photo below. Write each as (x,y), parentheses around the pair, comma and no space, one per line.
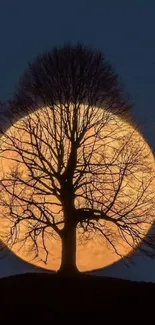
(72,162)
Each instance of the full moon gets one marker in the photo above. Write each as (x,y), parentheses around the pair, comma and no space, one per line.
(92,253)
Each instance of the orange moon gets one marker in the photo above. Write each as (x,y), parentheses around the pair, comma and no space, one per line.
(93,253)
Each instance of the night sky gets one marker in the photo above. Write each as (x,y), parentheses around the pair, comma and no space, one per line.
(123,30)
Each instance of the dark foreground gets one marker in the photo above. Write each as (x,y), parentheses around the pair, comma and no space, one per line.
(51,295)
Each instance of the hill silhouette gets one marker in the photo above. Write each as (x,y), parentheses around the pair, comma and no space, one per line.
(51,295)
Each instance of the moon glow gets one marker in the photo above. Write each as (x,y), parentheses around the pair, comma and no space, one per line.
(93,252)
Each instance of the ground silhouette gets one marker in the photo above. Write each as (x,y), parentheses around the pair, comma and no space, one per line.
(51,295)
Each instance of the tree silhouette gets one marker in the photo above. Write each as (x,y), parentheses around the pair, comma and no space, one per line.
(72,160)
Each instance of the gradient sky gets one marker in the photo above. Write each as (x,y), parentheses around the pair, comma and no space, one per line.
(124,30)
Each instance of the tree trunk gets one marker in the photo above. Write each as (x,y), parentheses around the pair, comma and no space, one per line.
(68,260)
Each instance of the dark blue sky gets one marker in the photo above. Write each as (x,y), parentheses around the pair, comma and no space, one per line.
(123,30)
